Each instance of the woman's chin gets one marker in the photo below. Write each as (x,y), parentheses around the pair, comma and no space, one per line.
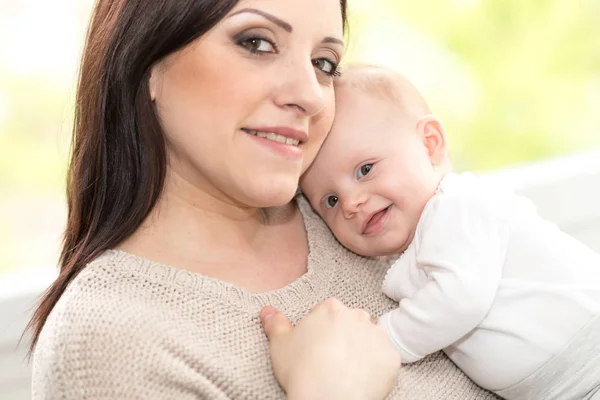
(273,194)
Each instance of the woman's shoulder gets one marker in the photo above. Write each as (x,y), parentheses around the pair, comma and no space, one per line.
(106,335)
(105,299)
(124,292)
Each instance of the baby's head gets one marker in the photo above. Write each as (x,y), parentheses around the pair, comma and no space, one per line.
(380,164)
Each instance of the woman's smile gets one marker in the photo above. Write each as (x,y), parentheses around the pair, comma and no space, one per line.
(283,141)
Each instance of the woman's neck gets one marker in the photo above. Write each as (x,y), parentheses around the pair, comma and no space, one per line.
(204,232)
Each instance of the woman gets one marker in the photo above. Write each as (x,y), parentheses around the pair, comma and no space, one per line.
(194,122)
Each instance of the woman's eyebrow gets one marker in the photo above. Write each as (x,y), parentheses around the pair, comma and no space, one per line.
(284,25)
(330,39)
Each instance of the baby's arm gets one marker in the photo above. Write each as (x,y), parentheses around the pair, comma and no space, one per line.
(462,250)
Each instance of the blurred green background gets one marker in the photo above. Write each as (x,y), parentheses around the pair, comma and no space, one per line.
(513,80)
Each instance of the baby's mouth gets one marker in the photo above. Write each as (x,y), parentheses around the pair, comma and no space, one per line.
(374,219)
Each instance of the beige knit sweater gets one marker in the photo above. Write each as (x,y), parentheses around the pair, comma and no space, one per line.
(129,328)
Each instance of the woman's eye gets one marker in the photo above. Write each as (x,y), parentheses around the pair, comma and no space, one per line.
(331,201)
(364,170)
(257,45)
(326,66)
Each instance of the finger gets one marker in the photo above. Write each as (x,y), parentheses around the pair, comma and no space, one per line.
(331,305)
(363,315)
(274,322)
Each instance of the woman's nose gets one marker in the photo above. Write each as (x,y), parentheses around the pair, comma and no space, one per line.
(301,89)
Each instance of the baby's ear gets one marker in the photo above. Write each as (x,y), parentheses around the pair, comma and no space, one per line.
(431,131)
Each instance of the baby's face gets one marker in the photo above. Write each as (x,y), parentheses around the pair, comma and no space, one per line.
(372,177)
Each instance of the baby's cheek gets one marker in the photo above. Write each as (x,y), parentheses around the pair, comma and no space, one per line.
(353,242)
(340,233)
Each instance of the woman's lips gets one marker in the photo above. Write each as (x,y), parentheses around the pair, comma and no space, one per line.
(375,223)
(292,152)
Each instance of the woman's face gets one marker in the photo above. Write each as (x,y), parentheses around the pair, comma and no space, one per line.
(246,107)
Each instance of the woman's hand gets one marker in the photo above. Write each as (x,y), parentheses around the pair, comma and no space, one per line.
(333,353)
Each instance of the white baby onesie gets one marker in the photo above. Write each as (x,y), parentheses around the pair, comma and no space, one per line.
(487,280)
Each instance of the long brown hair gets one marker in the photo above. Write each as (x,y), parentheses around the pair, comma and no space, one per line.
(118,158)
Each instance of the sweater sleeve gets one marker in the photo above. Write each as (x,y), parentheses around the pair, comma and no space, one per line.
(463,243)
(89,351)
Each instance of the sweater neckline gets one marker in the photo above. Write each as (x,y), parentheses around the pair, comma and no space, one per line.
(301,292)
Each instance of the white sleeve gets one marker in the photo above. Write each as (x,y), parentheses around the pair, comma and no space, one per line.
(462,248)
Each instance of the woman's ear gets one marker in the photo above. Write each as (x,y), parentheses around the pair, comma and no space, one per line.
(153,81)
(431,131)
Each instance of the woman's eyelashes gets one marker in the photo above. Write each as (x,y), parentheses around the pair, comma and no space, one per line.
(326,66)
(256,44)
(261,45)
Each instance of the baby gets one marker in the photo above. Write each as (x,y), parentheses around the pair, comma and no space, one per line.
(511,299)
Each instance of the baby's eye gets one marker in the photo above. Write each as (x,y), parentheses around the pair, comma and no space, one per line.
(331,201)
(364,170)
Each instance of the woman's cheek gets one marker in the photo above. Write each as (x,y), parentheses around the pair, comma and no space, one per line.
(319,129)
